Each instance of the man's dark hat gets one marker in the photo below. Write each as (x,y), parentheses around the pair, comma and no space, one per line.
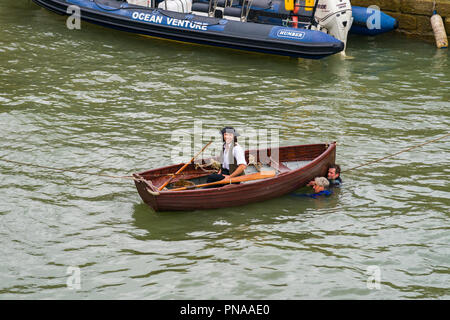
(229,130)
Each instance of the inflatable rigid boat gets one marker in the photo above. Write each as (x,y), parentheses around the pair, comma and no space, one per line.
(217,22)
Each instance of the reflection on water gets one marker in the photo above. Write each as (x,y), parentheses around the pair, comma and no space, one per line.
(222,223)
(107,102)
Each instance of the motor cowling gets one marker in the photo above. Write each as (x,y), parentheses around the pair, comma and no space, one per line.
(335,18)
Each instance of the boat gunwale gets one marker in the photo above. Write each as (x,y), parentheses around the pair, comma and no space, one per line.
(312,163)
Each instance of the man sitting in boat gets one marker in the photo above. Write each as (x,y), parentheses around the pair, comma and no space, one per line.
(320,185)
(232,157)
(334,175)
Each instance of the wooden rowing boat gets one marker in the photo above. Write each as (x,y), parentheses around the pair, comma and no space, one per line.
(295,166)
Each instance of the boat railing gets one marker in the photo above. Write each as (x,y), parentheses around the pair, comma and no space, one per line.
(225,9)
(246,6)
(243,10)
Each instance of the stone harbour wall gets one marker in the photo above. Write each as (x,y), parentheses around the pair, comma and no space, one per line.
(413,15)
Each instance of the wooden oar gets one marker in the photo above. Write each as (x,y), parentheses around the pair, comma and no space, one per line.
(183,167)
(248,177)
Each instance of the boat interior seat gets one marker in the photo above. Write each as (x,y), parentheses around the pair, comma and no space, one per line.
(221,6)
(279,166)
(200,8)
(294,165)
(261,4)
(232,13)
(221,3)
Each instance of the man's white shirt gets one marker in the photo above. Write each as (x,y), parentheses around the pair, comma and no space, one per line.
(238,154)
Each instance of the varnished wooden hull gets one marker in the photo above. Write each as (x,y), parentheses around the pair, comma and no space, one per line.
(320,155)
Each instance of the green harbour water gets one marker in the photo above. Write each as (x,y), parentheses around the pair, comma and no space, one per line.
(102,101)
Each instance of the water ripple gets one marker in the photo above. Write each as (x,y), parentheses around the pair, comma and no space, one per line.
(107,102)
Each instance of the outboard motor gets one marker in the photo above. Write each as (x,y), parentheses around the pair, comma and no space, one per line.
(335,18)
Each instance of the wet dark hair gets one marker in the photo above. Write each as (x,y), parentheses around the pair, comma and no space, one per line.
(337,167)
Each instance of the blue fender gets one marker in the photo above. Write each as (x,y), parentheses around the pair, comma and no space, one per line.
(368,21)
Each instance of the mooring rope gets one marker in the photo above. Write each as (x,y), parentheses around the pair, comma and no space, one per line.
(93,174)
(397,153)
(182,174)
(65,170)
